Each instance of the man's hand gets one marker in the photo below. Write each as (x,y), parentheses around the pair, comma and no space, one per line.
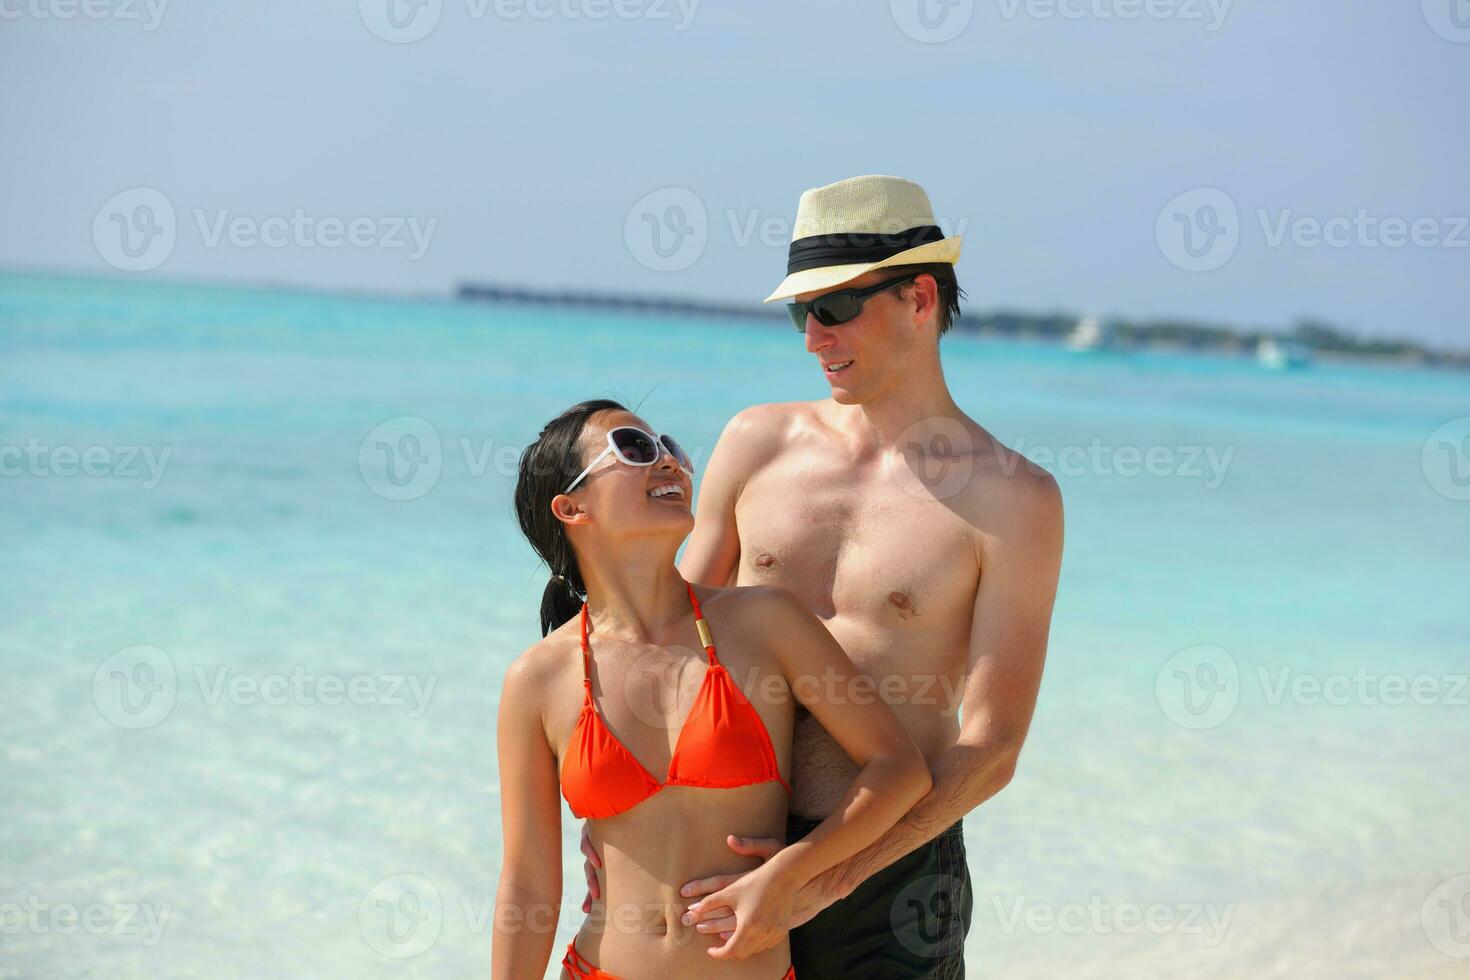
(717,917)
(590,865)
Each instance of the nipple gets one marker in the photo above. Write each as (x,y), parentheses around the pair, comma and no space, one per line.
(903,604)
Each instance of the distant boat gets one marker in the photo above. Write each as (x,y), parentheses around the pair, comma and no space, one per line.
(1090,334)
(1282,355)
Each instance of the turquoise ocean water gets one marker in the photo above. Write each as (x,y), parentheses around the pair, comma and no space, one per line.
(261,582)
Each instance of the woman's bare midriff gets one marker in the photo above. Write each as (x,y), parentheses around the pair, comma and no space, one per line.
(678,834)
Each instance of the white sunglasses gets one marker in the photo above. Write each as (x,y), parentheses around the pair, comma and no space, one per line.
(637,448)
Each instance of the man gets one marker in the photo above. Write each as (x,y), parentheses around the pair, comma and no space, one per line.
(930,550)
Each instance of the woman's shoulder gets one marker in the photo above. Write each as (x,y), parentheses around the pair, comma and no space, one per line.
(543,662)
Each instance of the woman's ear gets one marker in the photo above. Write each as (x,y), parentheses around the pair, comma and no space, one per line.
(568,509)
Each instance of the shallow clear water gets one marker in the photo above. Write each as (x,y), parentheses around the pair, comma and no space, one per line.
(249,676)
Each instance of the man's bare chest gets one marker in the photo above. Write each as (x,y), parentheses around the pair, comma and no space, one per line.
(854,548)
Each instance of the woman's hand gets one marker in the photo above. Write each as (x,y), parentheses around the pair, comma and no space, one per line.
(757,905)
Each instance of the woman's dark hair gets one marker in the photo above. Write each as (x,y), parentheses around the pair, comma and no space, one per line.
(547,466)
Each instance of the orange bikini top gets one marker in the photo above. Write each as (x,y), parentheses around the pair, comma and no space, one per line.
(723,743)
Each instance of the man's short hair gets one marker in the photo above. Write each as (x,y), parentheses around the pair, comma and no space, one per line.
(950,292)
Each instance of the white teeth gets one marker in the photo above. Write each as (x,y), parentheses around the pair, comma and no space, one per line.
(833,368)
(667,490)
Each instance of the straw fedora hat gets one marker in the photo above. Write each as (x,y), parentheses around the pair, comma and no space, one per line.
(853,226)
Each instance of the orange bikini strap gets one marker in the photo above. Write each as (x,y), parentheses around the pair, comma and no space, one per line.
(702,626)
(578,965)
(586,655)
(699,624)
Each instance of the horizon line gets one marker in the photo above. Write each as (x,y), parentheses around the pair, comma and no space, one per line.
(572,296)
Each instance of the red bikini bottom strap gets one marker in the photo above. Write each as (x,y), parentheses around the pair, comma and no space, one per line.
(581,968)
(577,964)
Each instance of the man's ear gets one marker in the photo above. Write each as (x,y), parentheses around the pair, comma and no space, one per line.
(925,297)
(568,509)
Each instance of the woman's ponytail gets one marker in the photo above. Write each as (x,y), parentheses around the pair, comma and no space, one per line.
(559,603)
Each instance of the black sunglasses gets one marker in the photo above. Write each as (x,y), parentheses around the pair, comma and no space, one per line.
(831,309)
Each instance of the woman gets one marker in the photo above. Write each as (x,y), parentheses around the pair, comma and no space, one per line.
(606,504)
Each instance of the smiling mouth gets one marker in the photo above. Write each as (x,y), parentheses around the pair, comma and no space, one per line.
(837,367)
(667,490)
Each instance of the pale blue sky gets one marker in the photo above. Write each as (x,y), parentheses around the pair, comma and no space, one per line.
(1056,139)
